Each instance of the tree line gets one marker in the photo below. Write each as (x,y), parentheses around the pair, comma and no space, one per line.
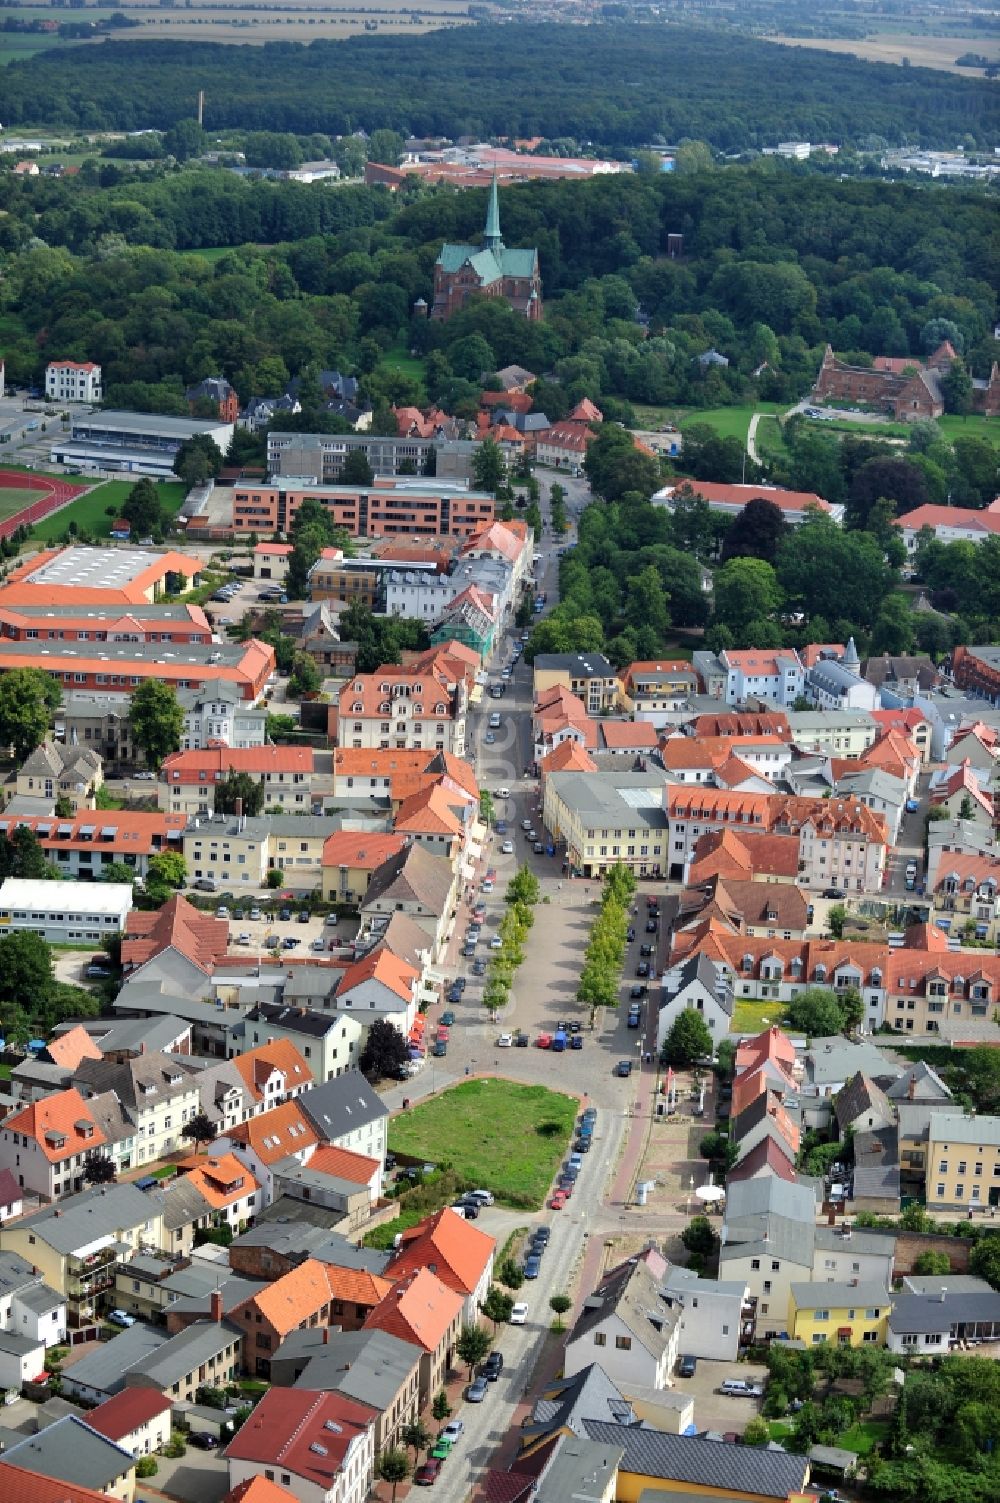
(547,80)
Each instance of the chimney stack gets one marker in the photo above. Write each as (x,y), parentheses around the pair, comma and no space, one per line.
(238,808)
(215,1307)
(326,1335)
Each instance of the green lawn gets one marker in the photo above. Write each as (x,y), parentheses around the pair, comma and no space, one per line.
(400,359)
(770,440)
(754,1016)
(728,422)
(974,426)
(508,1138)
(864,1436)
(211,252)
(89,511)
(16,499)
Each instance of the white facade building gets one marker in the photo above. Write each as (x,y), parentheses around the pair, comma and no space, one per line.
(68,381)
(67,913)
(775,675)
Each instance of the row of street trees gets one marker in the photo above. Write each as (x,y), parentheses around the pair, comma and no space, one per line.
(600,977)
(521,896)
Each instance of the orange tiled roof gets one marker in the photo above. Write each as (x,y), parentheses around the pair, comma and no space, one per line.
(22,1486)
(138,834)
(771,1044)
(344,1164)
(360,850)
(458,1251)
(69,1048)
(256,1066)
(428,810)
(220,1178)
(421,1309)
(179,926)
(381,965)
(213,762)
(291,1300)
(568,756)
(276,1134)
(61,1125)
(723,853)
(629,733)
(256,1489)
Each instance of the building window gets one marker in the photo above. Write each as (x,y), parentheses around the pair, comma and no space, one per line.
(600,1339)
(623,1343)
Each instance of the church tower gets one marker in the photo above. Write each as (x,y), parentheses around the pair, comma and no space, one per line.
(492,238)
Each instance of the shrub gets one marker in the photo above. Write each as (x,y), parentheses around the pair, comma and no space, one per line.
(146,1466)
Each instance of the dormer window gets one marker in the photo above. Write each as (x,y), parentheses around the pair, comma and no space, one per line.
(820,972)
(748,962)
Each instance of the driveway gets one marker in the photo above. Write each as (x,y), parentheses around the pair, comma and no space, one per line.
(196,1477)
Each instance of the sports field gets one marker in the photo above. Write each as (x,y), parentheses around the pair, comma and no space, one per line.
(15,498)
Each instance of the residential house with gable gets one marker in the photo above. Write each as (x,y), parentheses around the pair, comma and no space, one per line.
(320,1447)
(628,1326)
(328,1044)
(47,1143)
(421,1310)
(458,1252)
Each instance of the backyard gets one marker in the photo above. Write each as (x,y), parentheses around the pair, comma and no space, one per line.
(754,1016)
(508,1138)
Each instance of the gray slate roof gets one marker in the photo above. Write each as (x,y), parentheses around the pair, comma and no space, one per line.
(865,1293)
(914,1313)
(631,1293)
(757,1197)
(876,1165)
(186,1351)
(689,1458)
(70,1451)
(342,1105)
(368,1366)
(81,1219)
(104,1367)
(565,1403)
(859,1097)
(927,1084)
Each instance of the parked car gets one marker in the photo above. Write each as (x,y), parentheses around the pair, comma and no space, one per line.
(624,1068)
(440,1048)
(492,1367)
(477,1391)
(544,1041)
(576,1041)
(505,1041)
(638,991)
(687,1367)
(521,1039)
(642,969)
(582,1145)
(519,1314)
(557,1201)
(121,1318)
(428,1472)
(448,1018)
(532,1266)
(204,1440)
(452,1430)
(507,849)
(486,1196)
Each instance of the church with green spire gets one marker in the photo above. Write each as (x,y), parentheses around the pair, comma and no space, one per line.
(489,269)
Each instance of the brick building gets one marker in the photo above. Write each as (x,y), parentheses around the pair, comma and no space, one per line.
(490,269)
(910,389)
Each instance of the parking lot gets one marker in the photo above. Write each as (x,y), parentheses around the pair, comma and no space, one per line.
(718,1411)
(314,937)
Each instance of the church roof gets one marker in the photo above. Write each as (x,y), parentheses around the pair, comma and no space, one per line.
(490,266)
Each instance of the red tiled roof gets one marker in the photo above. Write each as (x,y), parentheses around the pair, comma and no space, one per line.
(258,1490)
(140,834)
(220,1178)
(765,1155)
(179,926)
(306,1433)
(950,516)
(627,733)
(568,756)
(126,1411)
(21,1486)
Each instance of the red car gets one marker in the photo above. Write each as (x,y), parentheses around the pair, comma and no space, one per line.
(558,1201)
(544,1041)
(443,1032)
(428,1474)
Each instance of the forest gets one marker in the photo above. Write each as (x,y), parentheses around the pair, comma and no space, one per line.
(775,264)
(614,84)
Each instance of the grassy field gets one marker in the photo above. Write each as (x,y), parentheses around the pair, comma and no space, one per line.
(508,1138)
(864,1436)
(89,512)
(754,1016)
(920,51)
(400,359)
(16,499)
(728,422)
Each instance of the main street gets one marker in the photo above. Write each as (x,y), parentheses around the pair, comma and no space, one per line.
(543,994)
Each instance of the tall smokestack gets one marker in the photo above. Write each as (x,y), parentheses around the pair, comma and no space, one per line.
(201,106)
